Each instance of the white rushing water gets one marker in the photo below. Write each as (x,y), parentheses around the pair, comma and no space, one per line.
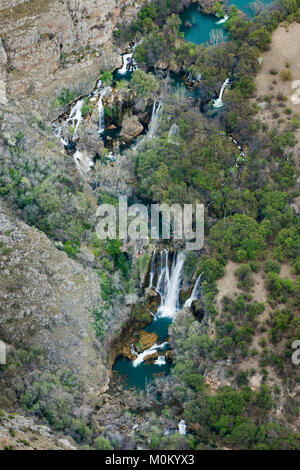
(75,117)
(141,357)
(102,93)
(182,428)
(129,64)
(219,102)
(169,283)
(173,135)
(57,128)
(223,20)
(152,269)
(161,361)
(195,293)
(154,123)
(83,162)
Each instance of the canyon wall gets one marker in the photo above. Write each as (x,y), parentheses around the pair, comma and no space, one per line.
(41,38)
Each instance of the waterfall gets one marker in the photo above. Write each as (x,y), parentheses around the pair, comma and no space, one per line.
(129,64)
(219,103)
(140,359)
(75,117)
(57,128)
(160,361)
(223,20)
(182,428)
(170,303)
(173,134)
(152,269)
(169,284)
(195,293)
(82,162)
(101,94)
(154,123)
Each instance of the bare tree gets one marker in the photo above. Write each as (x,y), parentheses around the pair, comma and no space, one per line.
(257,7)
(216,36)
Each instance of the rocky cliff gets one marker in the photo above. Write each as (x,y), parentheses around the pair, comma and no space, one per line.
(46,301)
(46,41)
(21,433)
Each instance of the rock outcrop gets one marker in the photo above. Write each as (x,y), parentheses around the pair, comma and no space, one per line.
(41,37)
(46,300)
(131,128)
(20,433)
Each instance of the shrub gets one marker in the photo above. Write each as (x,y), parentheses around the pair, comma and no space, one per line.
(144,83)
(285,75)
(272,266)
(102,444)
(244,275)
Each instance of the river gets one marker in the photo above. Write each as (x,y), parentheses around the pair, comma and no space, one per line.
(196,27)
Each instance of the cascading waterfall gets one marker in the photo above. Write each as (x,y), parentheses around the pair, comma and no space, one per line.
(101,115)
(195,293)
(129,64)
(169,284)
(154,123)
(75,117)
(140,357)
(173,135)
(182,428)
(170,302)
(152,269)
(223,20)
(82,162)
(219,102)
(58,132)
(102,94)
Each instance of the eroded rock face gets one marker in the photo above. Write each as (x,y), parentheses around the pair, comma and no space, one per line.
(46,301)
(3,65)
(20,433)
(41,36)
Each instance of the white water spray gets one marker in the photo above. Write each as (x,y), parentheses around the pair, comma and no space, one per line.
(129,64)
(82,162)
(154,123)
(102,93)
(160,361)
(195,293)
(148,352)
(182,427)
(173,135)
(152,269)
(169,284)
(219,102)
(75,117)
(223,20)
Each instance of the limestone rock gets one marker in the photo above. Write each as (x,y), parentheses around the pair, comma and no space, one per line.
(146,340)
(131,128)
(46,300)
(41,36)
(20,433)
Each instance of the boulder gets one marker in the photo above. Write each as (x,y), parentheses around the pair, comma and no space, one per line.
(146,340)
(131,128)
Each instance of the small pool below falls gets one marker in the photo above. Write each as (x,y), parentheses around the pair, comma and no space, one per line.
(166,278)
(200,25)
